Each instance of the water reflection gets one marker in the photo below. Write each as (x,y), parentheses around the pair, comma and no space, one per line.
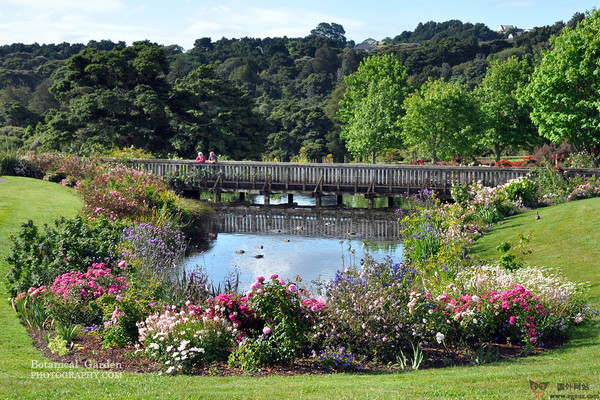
(311,243)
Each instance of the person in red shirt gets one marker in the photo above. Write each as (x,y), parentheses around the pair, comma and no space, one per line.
(200,157)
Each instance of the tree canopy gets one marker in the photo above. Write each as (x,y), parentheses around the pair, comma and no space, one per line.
(443,119)
(507,119)
(565,88)
(372,106)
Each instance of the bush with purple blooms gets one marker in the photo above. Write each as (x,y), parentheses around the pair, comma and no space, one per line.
(337,359)
(365,310)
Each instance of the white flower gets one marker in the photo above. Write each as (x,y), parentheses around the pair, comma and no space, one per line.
(183,344)
(475,299)
(440,337)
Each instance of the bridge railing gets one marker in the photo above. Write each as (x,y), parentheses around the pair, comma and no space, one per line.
(437,176)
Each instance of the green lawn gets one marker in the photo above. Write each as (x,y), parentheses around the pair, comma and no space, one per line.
(566,236)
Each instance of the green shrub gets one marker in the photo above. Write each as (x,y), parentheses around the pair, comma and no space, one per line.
(264,351)
(524,189)
(37,257)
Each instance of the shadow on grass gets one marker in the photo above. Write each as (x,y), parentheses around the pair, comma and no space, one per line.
(586,336)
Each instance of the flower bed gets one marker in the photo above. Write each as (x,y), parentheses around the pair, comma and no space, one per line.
(133,293)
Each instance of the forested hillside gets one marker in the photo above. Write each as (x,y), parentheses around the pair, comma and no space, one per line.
(244,98)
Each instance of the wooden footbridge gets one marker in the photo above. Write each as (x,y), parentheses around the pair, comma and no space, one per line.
(368,180)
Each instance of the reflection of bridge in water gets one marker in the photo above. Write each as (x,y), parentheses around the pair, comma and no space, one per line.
(326,223)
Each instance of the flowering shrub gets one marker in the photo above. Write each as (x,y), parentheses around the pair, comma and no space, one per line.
(523,189)
(72,296)
(526,162)
(38,257)
(122,312)
(111,190)
(337,359)
(365,310)
(589,189)
(550,287)
(184,340)
(515,315)
(287,315)
(122,192)
(237,310)
(488,205)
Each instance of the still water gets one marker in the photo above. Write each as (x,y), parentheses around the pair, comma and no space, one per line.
(312,244)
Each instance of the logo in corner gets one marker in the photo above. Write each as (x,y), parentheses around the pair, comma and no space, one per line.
(538,387)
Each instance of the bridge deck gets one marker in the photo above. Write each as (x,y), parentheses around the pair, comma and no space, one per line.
(326,179)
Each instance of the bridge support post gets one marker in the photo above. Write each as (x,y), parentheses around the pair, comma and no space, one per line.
(242,196)
(390,202)
(217,196)
(318,200)
(267,199)
(340,200)
(290,198)
(371,203)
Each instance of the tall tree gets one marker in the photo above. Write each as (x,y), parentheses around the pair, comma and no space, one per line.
(114,98)
(211,114)
(443,120)
(372,106)
(508,121)
(565,88)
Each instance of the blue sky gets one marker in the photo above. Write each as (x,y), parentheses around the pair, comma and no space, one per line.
(182,21)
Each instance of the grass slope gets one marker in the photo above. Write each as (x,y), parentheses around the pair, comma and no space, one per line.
(577,362)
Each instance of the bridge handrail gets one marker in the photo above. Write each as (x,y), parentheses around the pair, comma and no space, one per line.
(382,175)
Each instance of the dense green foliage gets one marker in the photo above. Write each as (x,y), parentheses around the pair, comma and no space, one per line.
(247,98)
(507,120)
(443,120)
(39,255)
(372,106)
(565,91)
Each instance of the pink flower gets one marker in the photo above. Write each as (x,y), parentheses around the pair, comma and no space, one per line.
(260,279)
(266,330)
(281,282)
(274,276)
(512,320)
(255,285)
(292,288)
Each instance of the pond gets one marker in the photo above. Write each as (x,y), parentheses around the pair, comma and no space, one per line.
(306,242)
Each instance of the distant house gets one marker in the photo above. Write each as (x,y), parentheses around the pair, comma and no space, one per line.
(506,28)
(367,45)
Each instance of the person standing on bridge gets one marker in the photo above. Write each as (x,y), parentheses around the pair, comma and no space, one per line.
(200,157)
(212,157)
